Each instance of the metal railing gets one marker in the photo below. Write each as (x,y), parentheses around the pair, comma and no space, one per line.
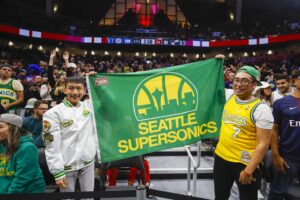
(195,167)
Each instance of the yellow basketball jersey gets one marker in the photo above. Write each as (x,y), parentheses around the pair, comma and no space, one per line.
(238,137)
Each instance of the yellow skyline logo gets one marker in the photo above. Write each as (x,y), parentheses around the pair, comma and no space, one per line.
(163,95)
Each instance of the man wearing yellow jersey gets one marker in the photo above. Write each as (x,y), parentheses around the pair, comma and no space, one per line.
(244,138)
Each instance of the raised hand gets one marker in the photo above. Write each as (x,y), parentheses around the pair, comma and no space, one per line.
(66,56)
(53,54)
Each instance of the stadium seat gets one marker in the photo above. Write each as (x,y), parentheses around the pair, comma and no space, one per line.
(124,167)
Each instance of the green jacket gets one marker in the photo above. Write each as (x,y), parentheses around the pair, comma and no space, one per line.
(22,173)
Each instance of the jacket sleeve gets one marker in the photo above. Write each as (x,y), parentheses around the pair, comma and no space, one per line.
(52,141)
(50,76)
(24,172)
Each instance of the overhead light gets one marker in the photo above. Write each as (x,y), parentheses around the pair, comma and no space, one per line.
(10,43)
(55,8)
(245,54)
(231,16)
(40,48)
(197,56)
(230,55)
(106,53)
(270,52)
(154,54)
(137,54)
(92,53)
(172,55)
(119,53)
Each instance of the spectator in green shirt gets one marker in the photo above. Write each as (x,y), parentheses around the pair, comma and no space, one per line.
(19,167)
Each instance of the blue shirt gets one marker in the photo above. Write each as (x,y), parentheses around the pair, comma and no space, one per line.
(34,126)
(286,113)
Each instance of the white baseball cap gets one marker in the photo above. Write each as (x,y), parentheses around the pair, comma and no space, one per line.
(73,65)
(266,85)
(30,103)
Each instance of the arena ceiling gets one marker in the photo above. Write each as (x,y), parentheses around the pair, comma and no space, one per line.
(196,11)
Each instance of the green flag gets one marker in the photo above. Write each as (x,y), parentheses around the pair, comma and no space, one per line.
(144,112)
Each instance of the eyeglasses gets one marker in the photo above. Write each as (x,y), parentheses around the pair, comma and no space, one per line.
(42,108)
(243,81)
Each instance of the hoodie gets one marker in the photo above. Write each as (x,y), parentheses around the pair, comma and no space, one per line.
(21,173)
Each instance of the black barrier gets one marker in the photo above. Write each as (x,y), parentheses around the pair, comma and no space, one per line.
(170,195)
(69,195)
(95,195)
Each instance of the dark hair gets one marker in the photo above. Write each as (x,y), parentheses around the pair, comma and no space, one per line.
(39,102)
(76,79)
(13,140)
(282,76)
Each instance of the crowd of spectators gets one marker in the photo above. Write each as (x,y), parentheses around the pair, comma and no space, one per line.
(43,76)
(252,27)
(31,67)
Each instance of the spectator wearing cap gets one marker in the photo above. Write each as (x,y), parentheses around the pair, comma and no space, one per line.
(264,92)
(19,167)
(244,138)
(33,124)
(11,91)
(286,142)
(29,107)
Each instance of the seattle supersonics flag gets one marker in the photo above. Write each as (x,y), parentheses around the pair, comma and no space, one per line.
(143,112)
